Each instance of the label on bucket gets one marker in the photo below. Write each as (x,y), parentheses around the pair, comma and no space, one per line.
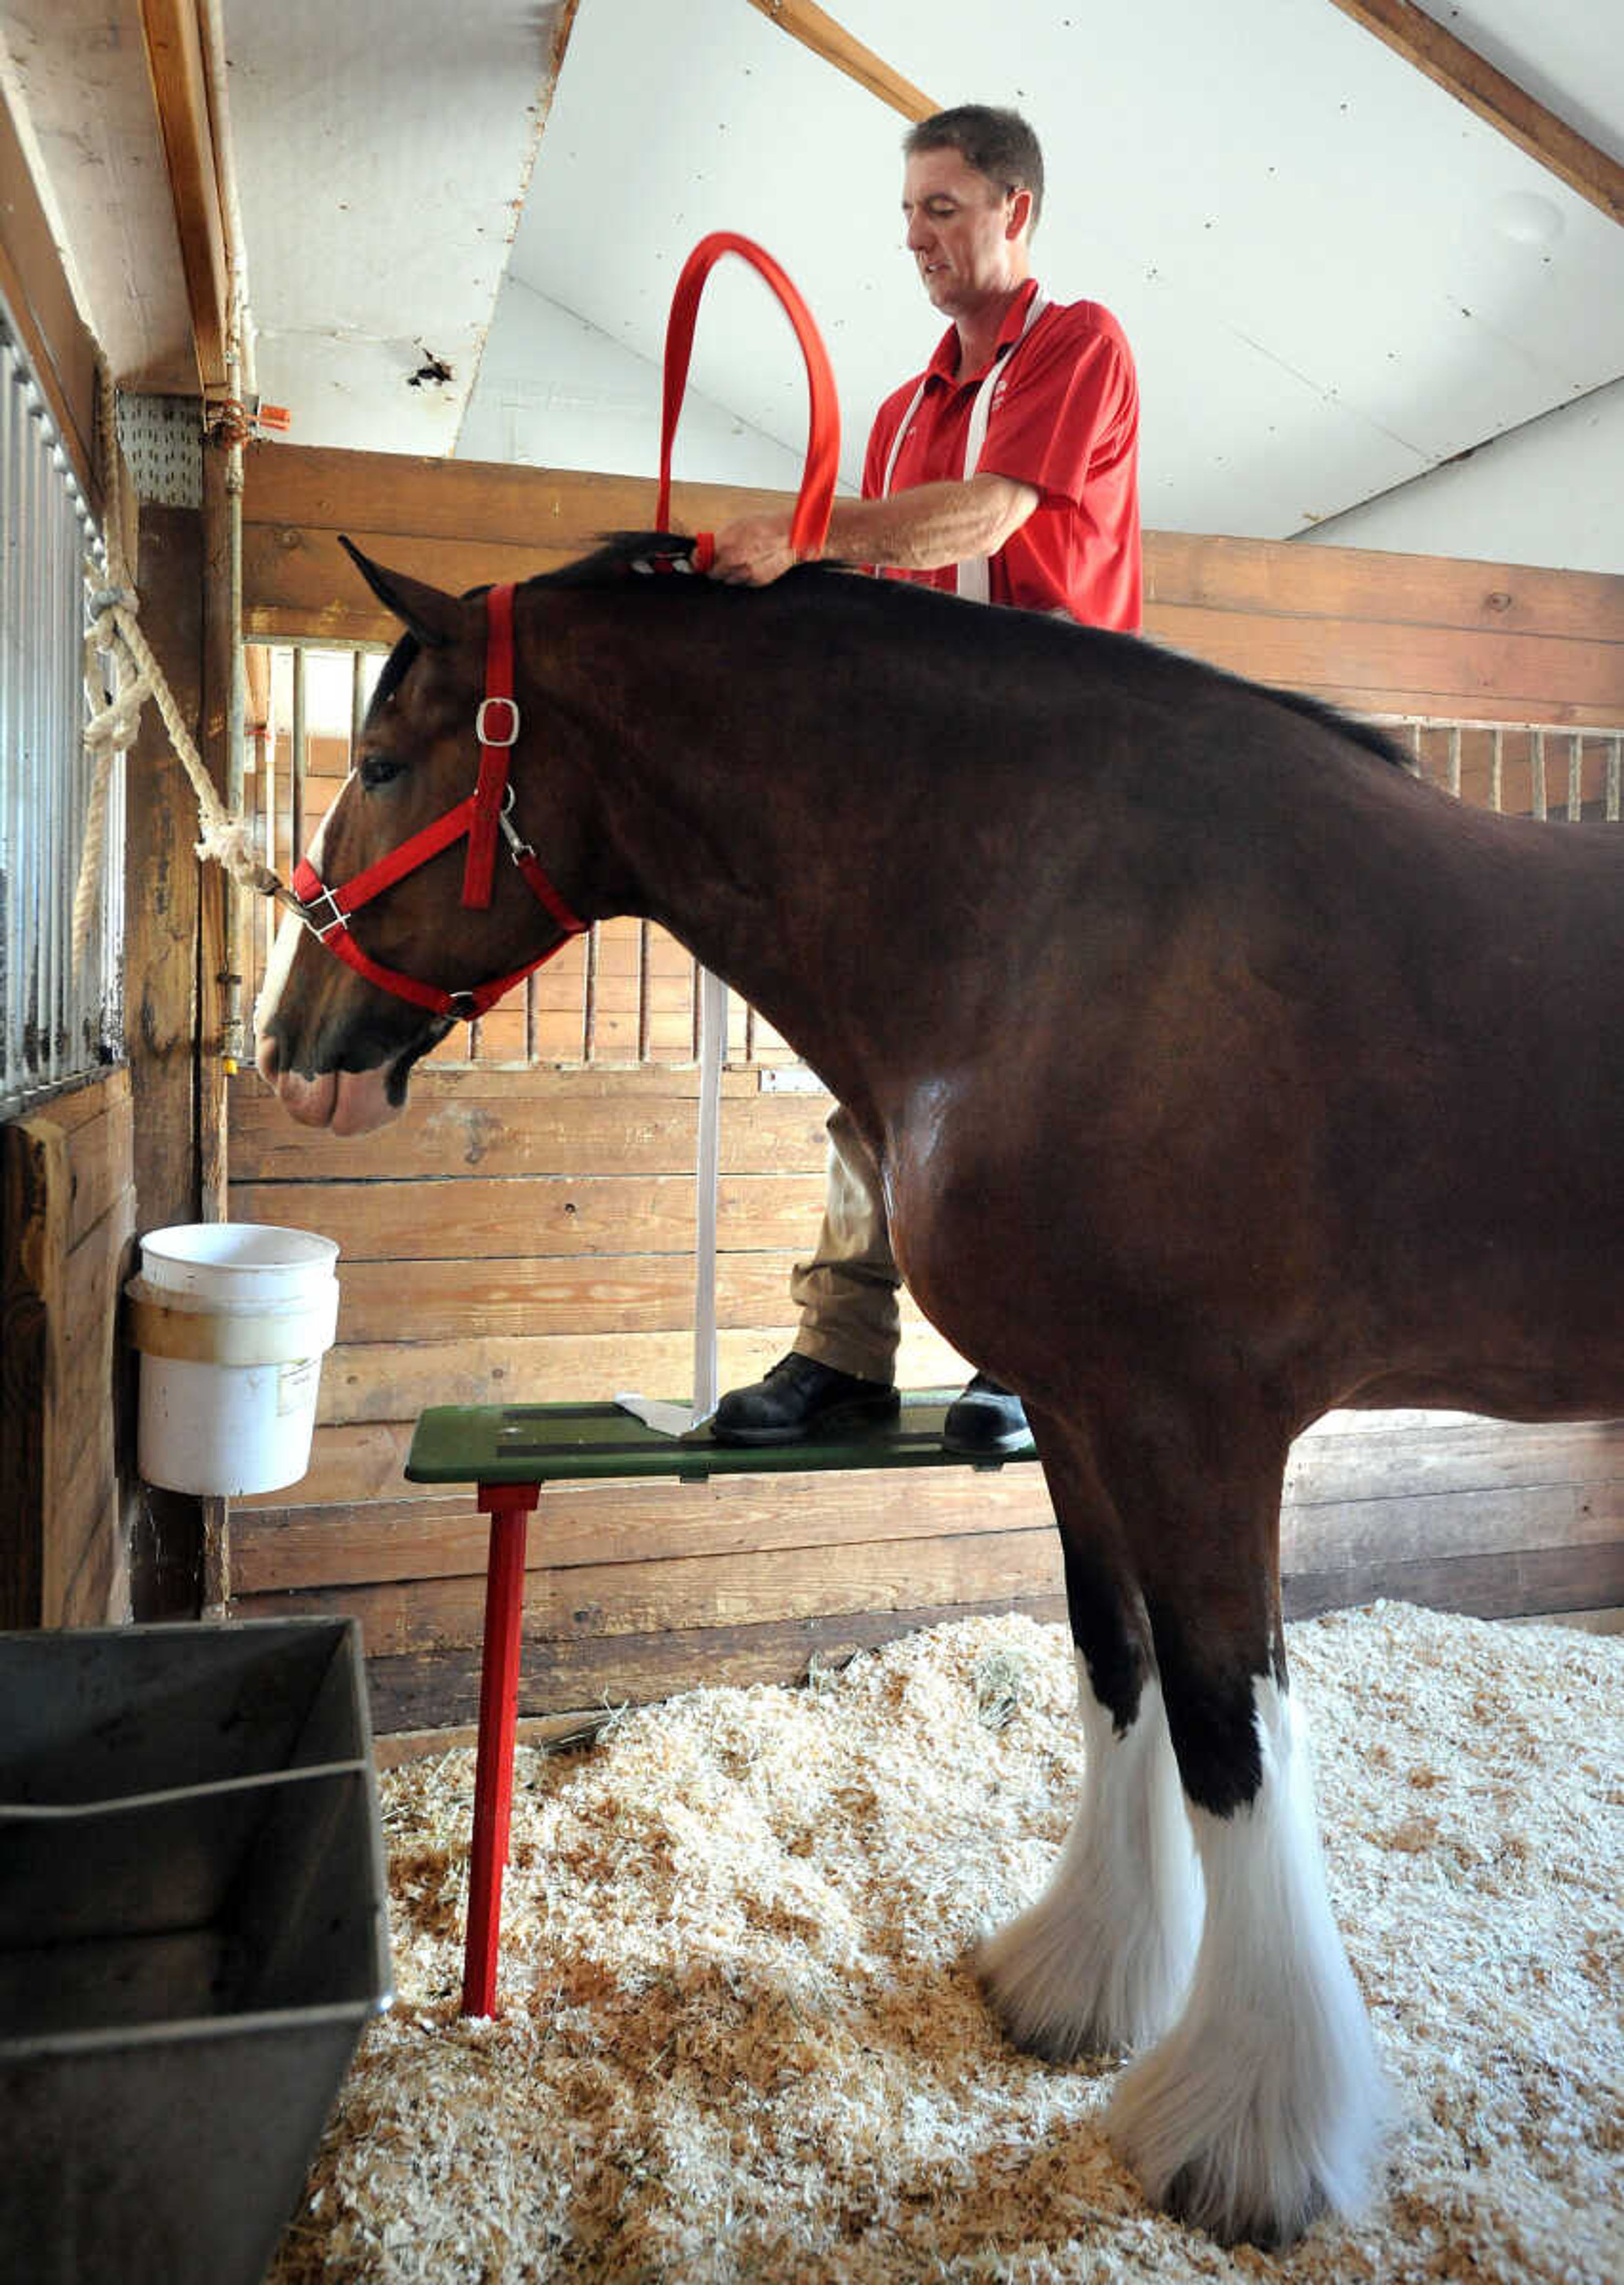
(296,1385)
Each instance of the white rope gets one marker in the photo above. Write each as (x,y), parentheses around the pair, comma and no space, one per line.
(137,677)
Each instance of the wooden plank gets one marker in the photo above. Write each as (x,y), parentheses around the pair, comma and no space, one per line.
(87,1509)
(100,1152)
(1510,109)
(548,1216)
(1537,675)
(180,90)
(417,1690)
(279,1550)
(1513,1584)
(88,1099)
(358,1461)
(1457,705)
(514,1089)
(297,581)
(517,520)
(391,497)
(435,1687)
(620,1294)
(1350,1456)
(576,1725)
(161,960)
(94,1589)
(221,907)
(1499,1499)
(1368,665)
(60,345)
(552,1132)
(593,1600)
(1345,1536)
(35,1189)
(1289,579)
(396,1380)
(815,28)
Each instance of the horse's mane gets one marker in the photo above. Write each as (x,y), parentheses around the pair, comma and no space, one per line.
(628,554)
(654,554)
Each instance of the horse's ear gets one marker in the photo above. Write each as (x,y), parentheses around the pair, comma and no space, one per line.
(434,617)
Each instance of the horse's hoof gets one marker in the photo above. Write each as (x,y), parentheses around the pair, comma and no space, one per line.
(1197,2199)
(1049,2037)
(1036,2004)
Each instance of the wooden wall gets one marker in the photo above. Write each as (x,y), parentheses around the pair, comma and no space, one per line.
(67,1219)
(69,1508)
(526,1235)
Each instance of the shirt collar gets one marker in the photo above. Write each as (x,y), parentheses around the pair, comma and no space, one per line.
(945,364)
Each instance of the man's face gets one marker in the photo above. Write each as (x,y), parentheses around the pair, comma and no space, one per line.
(963,231)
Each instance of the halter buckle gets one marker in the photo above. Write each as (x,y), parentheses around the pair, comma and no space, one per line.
(461,1007)
(488,738)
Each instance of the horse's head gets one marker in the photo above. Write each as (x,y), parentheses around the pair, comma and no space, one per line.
(413,917)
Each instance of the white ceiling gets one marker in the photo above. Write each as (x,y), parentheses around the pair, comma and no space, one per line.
(1335,279)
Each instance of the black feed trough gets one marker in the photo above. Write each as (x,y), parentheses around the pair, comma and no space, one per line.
(192,1932)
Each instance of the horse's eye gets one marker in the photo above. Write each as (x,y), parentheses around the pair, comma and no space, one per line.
(378,769)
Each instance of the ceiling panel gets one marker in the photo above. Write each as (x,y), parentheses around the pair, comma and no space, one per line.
(382,148)
(1333,275)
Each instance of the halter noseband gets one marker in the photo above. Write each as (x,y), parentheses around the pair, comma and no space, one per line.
(487,810)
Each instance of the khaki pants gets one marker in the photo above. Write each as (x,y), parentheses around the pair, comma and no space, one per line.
(847,1293)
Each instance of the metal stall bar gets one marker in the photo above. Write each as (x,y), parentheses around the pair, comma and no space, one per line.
(57,1017)
(11,646)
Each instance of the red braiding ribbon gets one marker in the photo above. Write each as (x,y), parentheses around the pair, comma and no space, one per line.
(809,527)
(497,724)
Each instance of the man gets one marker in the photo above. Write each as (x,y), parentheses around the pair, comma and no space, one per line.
(1007,472)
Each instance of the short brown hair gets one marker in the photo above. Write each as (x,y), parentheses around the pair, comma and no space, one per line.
(998,144)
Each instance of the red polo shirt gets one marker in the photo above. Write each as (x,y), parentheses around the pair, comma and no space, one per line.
(1064,419)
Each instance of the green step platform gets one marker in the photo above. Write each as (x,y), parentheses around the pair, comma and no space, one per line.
(559,1443)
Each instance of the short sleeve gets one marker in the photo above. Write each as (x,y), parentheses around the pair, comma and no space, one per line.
(1068,408)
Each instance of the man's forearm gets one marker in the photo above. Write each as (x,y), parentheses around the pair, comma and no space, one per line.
(919,530)
(930,525)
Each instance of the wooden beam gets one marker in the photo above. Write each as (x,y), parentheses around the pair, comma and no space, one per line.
(1465,74)
(42,304)
(816,28)
(180,89)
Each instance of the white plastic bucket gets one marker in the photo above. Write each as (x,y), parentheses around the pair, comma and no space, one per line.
(232,1320)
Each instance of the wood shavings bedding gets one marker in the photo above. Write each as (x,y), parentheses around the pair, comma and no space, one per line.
(742,2040)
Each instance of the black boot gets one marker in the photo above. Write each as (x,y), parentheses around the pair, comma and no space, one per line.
(798,1398)
(987,1420)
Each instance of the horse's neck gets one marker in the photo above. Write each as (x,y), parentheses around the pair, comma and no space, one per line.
(746,822)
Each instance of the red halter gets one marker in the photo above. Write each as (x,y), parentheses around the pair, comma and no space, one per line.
(325,911)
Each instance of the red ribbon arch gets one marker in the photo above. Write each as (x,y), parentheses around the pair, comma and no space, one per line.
(810,526)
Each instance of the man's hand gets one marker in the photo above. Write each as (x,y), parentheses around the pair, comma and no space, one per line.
(921,528)
(753,550)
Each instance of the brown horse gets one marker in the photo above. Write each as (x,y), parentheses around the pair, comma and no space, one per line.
(1220,1072)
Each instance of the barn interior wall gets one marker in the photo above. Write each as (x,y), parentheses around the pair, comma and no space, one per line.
(68,1199)
(525,1234)
(82,1539)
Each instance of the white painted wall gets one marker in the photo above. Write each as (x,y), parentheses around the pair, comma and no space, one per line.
(1551,493)
(554,392)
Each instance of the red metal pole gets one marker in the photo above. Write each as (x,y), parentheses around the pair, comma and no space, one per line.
(508,1506)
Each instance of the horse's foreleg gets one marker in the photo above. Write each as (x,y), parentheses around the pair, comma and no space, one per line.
(1102,1960)
(1264,2104)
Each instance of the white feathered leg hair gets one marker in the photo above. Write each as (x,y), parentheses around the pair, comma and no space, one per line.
(1103,1960)
(1265,2104)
